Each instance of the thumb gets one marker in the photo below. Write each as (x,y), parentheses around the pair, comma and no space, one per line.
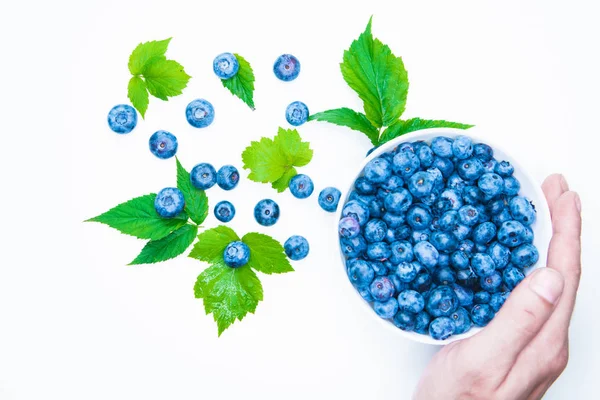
(526,310)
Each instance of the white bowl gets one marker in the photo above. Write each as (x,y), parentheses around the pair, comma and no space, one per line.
(542,227)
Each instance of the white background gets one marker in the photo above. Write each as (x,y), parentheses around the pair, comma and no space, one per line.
(77,323)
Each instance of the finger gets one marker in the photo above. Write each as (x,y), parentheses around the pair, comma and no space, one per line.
(554,186)
(526,310)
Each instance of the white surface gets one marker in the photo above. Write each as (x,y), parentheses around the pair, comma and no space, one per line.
(542,227)
(77,323)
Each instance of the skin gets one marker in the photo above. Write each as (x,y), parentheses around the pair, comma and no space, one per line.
(520,354)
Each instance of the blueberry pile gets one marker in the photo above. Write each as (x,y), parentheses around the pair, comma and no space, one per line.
(436,235)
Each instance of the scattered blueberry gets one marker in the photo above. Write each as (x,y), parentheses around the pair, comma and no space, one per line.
(200,113)
(163,144)
(203,176)
(169,202)
(329,199)
(301,186)
(296,247)
(226,65)
(286,67)
(266,212)
(224,211)
(228,177)
(236,254)
(296,113)
(122,118)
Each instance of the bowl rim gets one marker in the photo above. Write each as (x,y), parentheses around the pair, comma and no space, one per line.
(541,236)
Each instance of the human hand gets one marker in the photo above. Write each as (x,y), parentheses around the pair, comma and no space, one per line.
(526,346)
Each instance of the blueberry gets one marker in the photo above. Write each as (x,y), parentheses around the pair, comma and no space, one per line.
(483,152)
(286,67)
(444,165)
(489,165)
(399,286)
(361,274)
(348,228)
(393,183)
(462,147)
(456,182)
(296,113)
(511,186)
(459,260)
(402,251)
(422,281)
(422,320)
(443,260)
(443,241)
(200,113)
(226,65)
(418,217)
(442,146)
(363,186)
(442,301)
(470,169)
(398,202)
(482,314)
(169,202)
(378,170)
(467,246)
(425,155)
(356,210)
(404,320)
(522,210)
(412,301)
(444,276)
(236,254)
(451,199)
(379,251)
(122,118)
(301,186)
(512,277)
(426,254)
(386,309)
(467,278)
(462,321)
(483,214)
(296,247)
(472,195)
(363,198)
(492,282)
(495,207)
(484,233)
(513,234)
(524,256)
(497,300)
(365,293)
(461,232)
(203,176)
(464,295)
(266,212)
(482,264)
(491,184)
(406,271)
(224,211)
(394,220)
(438,179)
(482,297)
(500,254)
(441,328)
(379,268)
(353,247)
(405,147)
(421,184)
(406,163)
(504,169)
(228,177)
(468,215)
(163,144)
(448,220)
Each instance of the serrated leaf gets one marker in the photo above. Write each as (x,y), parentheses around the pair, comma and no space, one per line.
(242,84)
(378,77)
(265,161)
(282,183)
(212,242)
(266,254)
(138,94)
(168,247)
(400,127)
(165,78)
(196,201)
(137,217)
(144,52)
(349,118)
(296,152)
(228,293)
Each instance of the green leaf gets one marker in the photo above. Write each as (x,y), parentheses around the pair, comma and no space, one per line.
(144,52)
(378,77)
(266,254)
(296,152)
(138,94)
(168,247)
(242,84)
(349,118)
(228,293)
(137,217)
(165,78)
(196,201)
(265,161)
(282,183)
(212,242)
(400,128)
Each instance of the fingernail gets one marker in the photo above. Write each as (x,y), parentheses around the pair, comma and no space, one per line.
(548,284)
(578,202)
(563,183)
